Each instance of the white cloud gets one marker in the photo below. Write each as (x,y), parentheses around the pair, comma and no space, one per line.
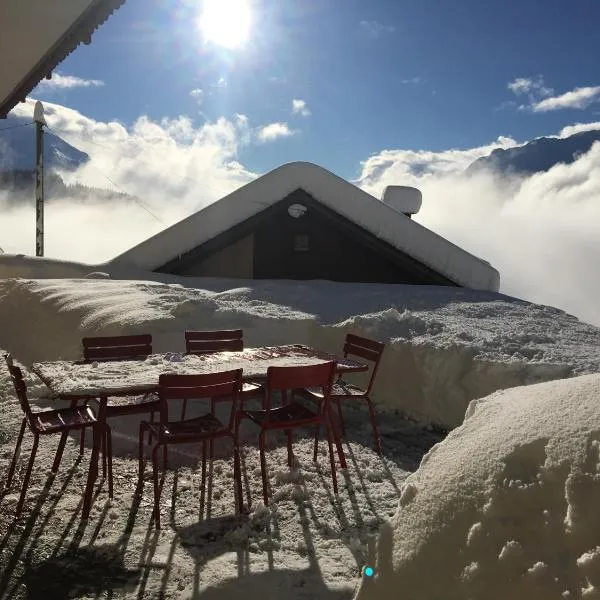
(530,86)
(578,128)
(68,81)
(541,98)
(220,83)
(580,97)
(374,29)
(171,166)
(274,131)
(541,232)
(413,81)
(299,107)
(412,167)
(198,95)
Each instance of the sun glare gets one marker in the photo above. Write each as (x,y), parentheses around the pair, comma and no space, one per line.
(225,22)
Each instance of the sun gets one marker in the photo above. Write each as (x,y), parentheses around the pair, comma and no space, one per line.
(225,22)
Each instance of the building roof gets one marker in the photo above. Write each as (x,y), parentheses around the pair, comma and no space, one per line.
(36,35)
(387,224)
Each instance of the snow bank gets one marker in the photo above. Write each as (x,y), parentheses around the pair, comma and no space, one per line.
(505,507)
(445,346)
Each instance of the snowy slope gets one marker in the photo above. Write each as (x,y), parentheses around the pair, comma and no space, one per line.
(505,507)
(445,346)
(537,155)
(17,149)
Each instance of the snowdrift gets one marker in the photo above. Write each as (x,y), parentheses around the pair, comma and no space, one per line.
(445,346)
(505,507)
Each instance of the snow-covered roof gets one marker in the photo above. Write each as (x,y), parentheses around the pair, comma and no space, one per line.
(36,35)
(365,210)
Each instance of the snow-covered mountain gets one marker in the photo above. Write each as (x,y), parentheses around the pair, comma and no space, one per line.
(538,155)
(17,148)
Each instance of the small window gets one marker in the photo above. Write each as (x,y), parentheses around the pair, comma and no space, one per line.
(301,243)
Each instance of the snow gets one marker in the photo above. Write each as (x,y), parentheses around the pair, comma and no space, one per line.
(444,346)
(375,216)
(505,507)
(306,544)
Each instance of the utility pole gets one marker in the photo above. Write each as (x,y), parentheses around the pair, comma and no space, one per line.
(38,117)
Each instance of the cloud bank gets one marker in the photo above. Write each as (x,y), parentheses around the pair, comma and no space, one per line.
(542,232)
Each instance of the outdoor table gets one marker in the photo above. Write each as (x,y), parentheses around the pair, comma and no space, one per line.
(83,379)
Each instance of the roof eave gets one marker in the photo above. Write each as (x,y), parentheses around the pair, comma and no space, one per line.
(80,31)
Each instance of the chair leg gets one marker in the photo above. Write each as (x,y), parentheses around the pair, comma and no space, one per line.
(211,442)
(103,450)
(374,425)
(141,451)
(109,458)
(16,453)
(156,486)
(263,466)
(331,458)
(330,421)
(290,453)
(36,439)
(317,429)
(341,417)
(237,479)
(149,430)
(59,451)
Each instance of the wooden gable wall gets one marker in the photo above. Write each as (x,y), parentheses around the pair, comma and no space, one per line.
(321,244)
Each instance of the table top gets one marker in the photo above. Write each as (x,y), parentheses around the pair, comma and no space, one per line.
(94,379)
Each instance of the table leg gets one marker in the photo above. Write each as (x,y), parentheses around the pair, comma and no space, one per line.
(99,433)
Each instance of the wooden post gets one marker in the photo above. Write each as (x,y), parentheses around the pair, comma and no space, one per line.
(38,115)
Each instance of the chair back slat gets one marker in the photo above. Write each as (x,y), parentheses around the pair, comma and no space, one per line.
(206,342)
(365,349)
(20,388)
(199,387)
(122,347)
(309,376)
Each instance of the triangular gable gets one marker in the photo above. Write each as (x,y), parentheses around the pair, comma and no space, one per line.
(387,224)
(36,35)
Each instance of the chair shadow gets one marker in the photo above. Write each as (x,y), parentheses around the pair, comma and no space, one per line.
(78,572)
(274,585)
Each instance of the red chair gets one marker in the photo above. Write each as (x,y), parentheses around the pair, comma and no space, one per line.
(209,342)
(121,348)
(42,423)
(291,415)
(221,385)
(364,349)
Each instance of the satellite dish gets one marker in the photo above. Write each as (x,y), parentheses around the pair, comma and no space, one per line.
(38,113)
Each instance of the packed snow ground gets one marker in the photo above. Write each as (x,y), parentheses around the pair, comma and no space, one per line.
(505,507)
(445,346)
(306,545)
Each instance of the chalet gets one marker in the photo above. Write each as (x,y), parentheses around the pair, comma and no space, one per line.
(302,222)
(36,35)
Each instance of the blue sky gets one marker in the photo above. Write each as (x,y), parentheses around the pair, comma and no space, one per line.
(403,74)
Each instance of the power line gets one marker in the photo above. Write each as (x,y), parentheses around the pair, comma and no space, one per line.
(16,126)
(134,198)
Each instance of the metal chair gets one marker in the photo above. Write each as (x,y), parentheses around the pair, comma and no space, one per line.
(364,349)
(206,428)
(121,348)
(226,340)
(291,415)
(43,423)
